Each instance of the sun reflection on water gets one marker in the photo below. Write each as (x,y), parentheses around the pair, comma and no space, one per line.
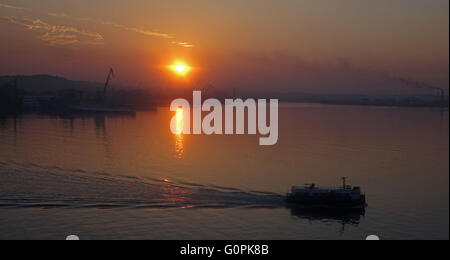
(179,147)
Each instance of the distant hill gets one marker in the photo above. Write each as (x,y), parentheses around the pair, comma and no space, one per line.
(42,84)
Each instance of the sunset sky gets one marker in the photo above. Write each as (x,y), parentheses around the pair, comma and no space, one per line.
(323,46)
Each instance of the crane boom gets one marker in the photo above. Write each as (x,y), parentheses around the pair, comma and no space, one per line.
(110,76)
(417,84)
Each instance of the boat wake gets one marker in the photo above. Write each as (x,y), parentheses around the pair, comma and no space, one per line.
(28,185)
(31,186)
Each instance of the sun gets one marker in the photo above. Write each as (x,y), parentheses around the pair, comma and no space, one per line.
(180,68)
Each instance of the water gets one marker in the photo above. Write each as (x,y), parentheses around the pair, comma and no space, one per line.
(130,178)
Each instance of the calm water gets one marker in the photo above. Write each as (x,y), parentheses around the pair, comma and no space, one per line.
(130,178)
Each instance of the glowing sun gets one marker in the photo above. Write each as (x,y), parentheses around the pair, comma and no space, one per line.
(180,68)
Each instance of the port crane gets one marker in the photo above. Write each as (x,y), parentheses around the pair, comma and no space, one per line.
(111,75)
(422,85)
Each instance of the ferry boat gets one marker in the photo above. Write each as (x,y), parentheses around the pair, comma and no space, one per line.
(345,197)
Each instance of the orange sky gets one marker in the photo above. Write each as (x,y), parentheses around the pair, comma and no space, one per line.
(322,46)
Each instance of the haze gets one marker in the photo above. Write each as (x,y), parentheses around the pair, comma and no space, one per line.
(324,46)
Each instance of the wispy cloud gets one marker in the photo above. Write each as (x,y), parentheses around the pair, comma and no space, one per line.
(150,33)
(63,15)
(183,44)
(68,35)
(11,7)
(140,30)
(58,35)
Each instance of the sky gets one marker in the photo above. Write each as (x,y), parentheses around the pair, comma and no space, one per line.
(316,46)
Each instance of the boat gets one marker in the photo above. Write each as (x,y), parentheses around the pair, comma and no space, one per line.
(342,198)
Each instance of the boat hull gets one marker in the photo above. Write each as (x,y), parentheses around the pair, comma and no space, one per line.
(327,202)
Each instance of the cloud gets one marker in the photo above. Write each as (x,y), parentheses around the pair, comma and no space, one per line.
(63,15)
(146,32)
(58,35)
(63,35)
(141,30)
(11,7)
(183,44)
(59,39)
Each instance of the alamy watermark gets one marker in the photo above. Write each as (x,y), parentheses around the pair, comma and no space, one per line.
(212,123)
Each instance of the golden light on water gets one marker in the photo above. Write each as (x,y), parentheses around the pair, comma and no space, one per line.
(179,147)
(179,117)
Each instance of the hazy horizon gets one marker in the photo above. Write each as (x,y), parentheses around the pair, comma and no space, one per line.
(317,120)
(289,46)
